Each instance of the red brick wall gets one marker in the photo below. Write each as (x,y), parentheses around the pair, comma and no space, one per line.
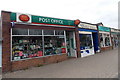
(106,48)
(24,64)
(7,64)
(6,26)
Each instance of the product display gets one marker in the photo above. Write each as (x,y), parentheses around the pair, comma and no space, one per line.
(53,45)
(24,47)
(85,41)
(105,40)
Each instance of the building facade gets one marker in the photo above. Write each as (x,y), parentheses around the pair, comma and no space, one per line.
(30,40)
(88,35)
(114,37)
(104,38)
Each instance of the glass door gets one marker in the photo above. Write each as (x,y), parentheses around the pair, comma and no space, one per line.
(71,45)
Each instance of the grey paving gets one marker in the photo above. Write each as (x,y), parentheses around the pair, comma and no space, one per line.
(101,65)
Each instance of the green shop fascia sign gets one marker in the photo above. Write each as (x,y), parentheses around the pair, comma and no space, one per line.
(106,29)
(32,19)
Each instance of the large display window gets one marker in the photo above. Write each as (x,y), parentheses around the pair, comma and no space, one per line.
(30,43)
(105,40)
(85,41)
(54,45)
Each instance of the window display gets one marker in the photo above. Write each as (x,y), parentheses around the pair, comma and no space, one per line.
(30,45)
(105,40)
(26,47)
(54,45)
(85,41)
(101,40)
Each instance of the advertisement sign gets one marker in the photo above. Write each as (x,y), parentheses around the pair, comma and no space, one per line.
(101,28)
(32,19)
(114,30)
(87,26)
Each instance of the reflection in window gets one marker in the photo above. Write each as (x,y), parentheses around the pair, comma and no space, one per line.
(101,40)
(48,32)
(107,41)
(35,32)
(59,32)
(17,31)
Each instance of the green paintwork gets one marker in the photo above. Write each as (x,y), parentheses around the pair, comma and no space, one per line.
(45,20)
(106,29)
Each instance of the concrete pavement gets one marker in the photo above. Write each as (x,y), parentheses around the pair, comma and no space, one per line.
(101,65)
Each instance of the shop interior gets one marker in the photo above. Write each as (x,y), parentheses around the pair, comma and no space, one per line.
(71,43)
(88,43)
(29,43)
(105,40)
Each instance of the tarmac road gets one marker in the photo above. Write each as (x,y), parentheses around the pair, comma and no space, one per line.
(101,65)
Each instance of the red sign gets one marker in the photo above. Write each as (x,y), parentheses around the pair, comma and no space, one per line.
(63,50)
(40,53)
(24,18)
(77,22)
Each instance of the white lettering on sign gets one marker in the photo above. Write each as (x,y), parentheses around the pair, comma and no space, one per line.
(44,20)
(88,26)
(51,20)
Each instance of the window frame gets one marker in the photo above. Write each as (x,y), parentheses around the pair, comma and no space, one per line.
(42,43)
(104,35)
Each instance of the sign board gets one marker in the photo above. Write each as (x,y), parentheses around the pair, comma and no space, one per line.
(32,19)
(87,26)
(114,30)
(102,28)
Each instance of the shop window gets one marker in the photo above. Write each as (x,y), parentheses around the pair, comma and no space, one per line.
(31,45)
(26,47)
(17,31)
(107,41)
(35,32)
(85,41)
(101,40)
(59,32)
(48,32)
(54,45)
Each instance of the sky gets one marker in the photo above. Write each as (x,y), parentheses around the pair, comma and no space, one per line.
(91,11)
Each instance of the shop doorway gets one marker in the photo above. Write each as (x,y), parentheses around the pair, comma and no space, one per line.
(86,44)
(71,44)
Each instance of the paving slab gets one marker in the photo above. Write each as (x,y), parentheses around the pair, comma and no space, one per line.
(100,65)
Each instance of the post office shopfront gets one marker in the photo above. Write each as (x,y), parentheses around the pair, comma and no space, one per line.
(89,43)
(114,37)
(36,40)
(104,38)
